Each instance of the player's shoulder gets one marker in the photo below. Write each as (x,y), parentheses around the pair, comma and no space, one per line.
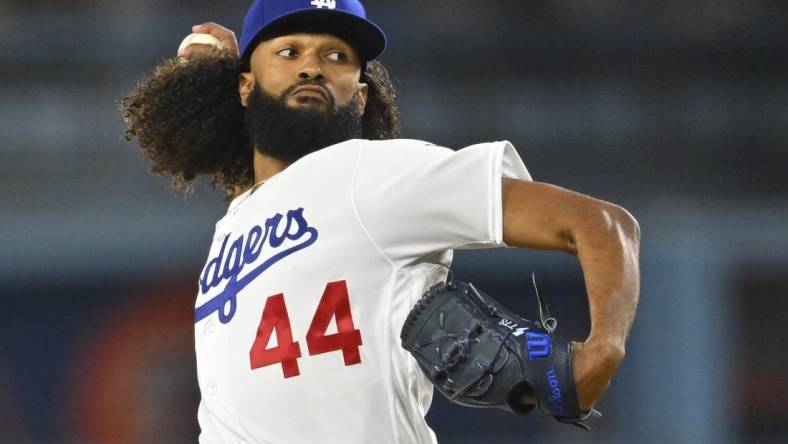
(396,151)
(420,150)
(377,150)
(385,144)
(429,147)
(413,145)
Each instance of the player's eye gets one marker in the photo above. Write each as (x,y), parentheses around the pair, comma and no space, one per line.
(287,52)
(337,56)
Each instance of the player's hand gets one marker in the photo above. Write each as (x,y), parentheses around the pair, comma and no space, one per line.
(226,36)
(593,364)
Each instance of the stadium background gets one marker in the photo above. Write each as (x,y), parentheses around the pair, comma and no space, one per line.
(676,110)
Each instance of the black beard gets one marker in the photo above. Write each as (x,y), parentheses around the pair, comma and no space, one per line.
(288,133)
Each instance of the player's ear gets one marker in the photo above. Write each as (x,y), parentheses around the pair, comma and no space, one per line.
(245,86)
(363,95)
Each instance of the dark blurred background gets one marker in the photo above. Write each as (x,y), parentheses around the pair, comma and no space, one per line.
(677,110)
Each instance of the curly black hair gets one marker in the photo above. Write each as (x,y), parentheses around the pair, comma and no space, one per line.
(188,119)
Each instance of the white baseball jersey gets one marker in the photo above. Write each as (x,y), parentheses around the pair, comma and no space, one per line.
(311,276)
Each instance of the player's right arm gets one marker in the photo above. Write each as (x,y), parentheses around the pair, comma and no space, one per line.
(606,240)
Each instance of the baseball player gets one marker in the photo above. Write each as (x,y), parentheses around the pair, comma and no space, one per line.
(336,228)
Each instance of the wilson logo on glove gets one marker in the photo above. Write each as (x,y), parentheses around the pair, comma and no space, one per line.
(555,400)
(539,345)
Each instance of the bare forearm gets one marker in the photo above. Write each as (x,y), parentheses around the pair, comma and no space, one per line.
(606,240)
(607,245)
(604,237)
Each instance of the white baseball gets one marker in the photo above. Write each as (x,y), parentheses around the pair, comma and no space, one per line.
(202,39)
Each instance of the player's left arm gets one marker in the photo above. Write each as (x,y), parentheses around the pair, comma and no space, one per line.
(606,240)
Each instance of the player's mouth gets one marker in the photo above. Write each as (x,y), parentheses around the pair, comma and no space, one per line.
(312,92)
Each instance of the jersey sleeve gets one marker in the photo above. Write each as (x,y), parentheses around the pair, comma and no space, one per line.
(414,198)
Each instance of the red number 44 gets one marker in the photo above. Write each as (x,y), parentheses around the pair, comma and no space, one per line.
(334,302)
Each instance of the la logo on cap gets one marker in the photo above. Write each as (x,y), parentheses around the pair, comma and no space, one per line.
(330,4)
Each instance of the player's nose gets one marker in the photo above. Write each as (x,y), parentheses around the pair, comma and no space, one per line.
(311,68)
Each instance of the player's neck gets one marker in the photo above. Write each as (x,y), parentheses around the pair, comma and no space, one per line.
(266,166)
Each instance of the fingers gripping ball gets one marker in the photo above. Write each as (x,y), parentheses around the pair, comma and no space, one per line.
(199,39)
(479,354)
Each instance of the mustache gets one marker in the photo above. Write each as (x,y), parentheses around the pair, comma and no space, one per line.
(308,82)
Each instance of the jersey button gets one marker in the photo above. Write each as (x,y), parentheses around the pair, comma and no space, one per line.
(211,388)
(210,327)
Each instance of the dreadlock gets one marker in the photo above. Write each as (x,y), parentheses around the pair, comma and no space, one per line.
(188,118)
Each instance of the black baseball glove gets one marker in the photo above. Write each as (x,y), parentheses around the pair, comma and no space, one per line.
(479,354)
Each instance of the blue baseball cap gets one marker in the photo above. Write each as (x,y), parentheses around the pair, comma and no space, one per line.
(345,18)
